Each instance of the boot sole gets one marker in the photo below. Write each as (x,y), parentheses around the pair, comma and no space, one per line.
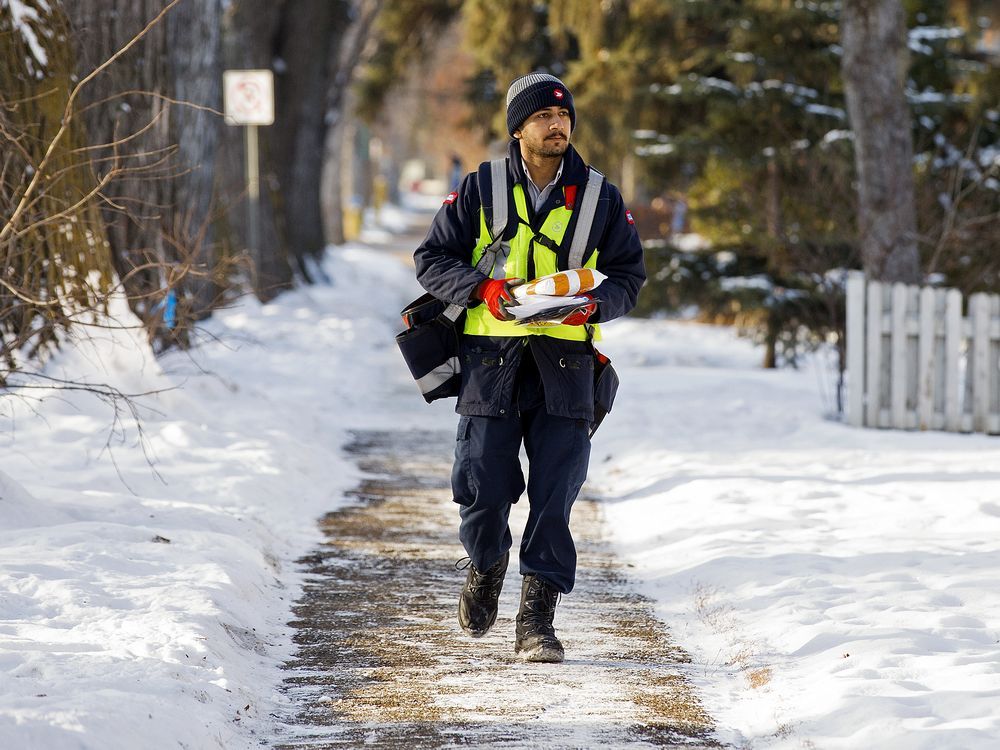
(541,654)
(475,633)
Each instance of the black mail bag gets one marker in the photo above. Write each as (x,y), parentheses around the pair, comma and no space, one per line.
(429,345)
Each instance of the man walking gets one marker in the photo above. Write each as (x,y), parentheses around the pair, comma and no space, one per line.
(524,383)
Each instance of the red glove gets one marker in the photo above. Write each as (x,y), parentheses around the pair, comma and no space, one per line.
(496,293)
(580,317)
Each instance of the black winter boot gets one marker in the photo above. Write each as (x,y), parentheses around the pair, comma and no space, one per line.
(536,638)
(477,605)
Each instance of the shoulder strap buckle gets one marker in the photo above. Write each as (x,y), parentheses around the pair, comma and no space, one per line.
(495,254)
(495,172)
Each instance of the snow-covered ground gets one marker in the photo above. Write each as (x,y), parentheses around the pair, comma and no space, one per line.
(838,588)
(110,635)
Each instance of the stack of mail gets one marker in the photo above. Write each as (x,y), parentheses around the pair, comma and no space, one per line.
(550,299)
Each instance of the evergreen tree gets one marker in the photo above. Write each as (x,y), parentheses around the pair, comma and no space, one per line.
(507,41)
(953,90)
(739,106)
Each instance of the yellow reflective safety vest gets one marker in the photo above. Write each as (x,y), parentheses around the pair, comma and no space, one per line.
(479,321)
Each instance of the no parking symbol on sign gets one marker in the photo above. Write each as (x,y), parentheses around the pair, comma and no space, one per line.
(248,99)
(248,96)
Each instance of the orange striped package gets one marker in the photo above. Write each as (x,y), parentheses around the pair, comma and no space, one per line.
(561,284)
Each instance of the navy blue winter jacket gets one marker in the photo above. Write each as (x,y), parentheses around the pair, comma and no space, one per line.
(489,364)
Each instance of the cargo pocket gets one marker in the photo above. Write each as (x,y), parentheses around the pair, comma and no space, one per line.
(463,484)
(572,392)
(483,376)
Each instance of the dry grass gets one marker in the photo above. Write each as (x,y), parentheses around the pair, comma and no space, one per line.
(758,678)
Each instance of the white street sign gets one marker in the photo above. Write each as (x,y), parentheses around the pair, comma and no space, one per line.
(248,97)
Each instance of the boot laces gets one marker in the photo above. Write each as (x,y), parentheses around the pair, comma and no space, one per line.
(539,606)
(487,584)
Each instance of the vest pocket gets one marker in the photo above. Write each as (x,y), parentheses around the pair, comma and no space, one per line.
(487,377)
(568,379)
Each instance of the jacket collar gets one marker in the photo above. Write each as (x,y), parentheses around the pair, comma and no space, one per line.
(574,168)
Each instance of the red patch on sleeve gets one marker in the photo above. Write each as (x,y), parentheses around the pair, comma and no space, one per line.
(628,217)
(450,198)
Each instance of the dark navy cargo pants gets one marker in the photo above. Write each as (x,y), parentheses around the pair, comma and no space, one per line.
(487,479)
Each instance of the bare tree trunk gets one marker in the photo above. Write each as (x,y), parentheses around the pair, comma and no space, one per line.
(122,102)
(332,194)
(308,41)
(160,217)
(313,46)
(874,67)
(775,223)
(194,39)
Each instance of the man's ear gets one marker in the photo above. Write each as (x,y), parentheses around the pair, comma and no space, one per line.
(517,133)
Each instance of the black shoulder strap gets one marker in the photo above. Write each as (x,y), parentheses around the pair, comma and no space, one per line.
(494,194)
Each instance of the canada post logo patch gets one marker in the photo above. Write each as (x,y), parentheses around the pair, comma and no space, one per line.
(558,94)
(450,198)
(628,217)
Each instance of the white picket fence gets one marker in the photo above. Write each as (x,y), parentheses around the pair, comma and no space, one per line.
(914,362)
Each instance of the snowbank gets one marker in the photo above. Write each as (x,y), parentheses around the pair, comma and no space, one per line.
(837,586)
(145,605)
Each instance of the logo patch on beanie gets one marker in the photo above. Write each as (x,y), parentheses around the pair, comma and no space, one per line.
(450,198)
(628,217)
(558,94)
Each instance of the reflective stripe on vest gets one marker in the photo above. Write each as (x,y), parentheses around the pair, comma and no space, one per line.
(479,321)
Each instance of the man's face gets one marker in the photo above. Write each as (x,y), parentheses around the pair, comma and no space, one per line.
(546,132)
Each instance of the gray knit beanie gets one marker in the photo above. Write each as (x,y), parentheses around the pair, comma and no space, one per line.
(533,92)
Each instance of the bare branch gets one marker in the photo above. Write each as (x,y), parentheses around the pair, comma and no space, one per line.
(155,95)
(67,118)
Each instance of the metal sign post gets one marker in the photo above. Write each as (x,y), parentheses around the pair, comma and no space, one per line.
(249,100)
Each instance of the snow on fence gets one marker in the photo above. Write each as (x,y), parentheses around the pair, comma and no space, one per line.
(914,362)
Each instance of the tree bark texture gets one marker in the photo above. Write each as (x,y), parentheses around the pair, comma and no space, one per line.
(194,41)
(184,196)
(346,62)
(874,67)
(300,41)
(120,104)
(161,96)
(308,41)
